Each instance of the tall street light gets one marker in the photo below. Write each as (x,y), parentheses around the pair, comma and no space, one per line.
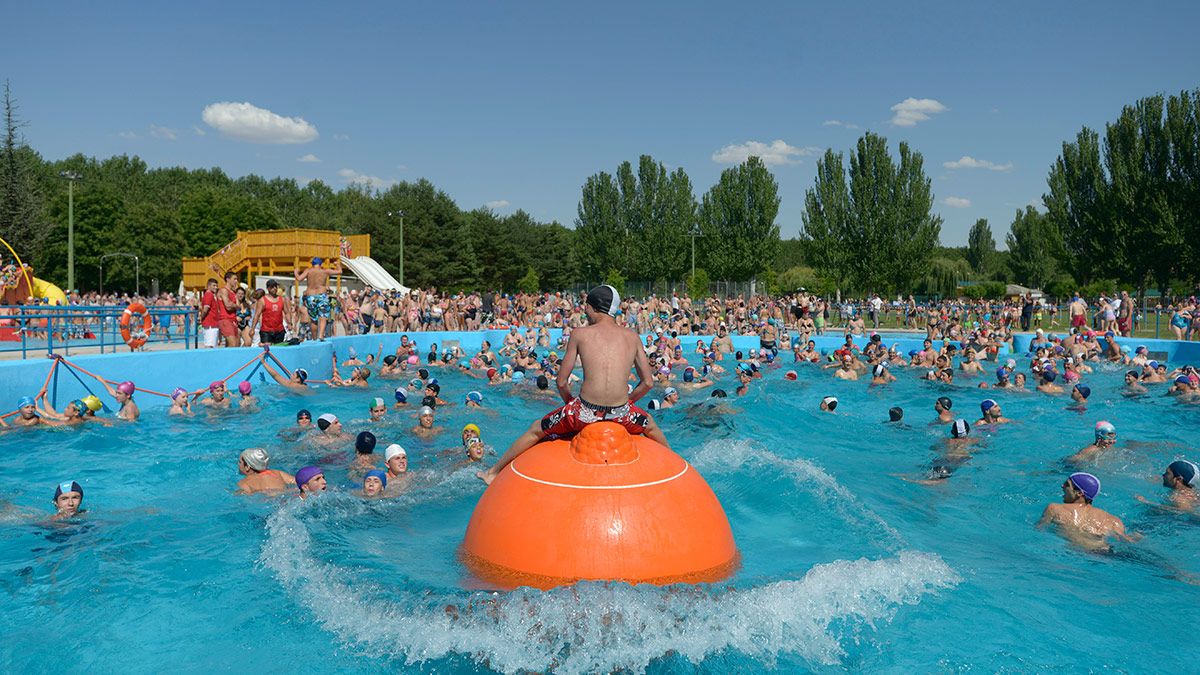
(400,215)
(693,234)
(70,177)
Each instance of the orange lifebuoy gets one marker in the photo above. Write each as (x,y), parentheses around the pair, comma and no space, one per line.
(135,340)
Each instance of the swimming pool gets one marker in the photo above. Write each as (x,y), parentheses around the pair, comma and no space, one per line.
(844,565)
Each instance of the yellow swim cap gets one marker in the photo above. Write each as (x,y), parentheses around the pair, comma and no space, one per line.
(473,427)
(93,403)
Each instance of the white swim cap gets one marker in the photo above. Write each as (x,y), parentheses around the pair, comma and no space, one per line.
(393,450)
(256,458)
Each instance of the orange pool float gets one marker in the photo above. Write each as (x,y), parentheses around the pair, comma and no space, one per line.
(603,506)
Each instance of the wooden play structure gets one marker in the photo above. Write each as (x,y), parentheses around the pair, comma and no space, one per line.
(274,252)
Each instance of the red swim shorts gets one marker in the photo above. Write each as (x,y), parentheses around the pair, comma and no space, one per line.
(1078,320)
(571,418)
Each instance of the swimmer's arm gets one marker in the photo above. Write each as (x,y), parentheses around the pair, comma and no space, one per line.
(645,376)
(564,372)
(109,388)
(271,371)
(258,306)
(300,276)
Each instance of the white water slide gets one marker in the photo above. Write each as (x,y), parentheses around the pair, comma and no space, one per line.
(370,272)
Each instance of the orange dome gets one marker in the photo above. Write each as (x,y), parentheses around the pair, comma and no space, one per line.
(605,505)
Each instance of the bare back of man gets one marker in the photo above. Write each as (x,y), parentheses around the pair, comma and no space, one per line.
(607,352)
(316,295)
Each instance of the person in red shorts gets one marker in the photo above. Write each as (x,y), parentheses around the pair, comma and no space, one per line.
(607,352)
(227,305)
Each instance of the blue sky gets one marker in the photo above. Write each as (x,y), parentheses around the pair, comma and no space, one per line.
(515,104)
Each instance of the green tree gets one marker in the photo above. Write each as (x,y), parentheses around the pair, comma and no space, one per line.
(601,237)
(981,247)
(1034,245)
(878,231)
(698,284)
(530,282)
(20,224)
(1076,206)
(737,217)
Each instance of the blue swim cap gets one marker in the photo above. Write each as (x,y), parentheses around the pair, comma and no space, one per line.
(913,352)
(1186,470)
(24,401)
(377,473)
(475,396)
(1153,365)
(317,262)
(464,364)
(987,404)
(689,375)
(1182,379)
(306,474)
(1086,483)
(1048,375)
(72,486)
(1105,430)
(1084,390)
(302,374)
(401,395)
(518,376)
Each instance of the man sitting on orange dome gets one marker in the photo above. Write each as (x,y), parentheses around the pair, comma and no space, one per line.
(608,352)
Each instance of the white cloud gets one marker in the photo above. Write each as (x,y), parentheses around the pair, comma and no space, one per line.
(912,110)
(341,137)
(309,159)
(163,133)
(957,202)
(126,135)
(772,154)
(838,123)
(247,122)
(352,176)
(968,162)
(497,204)
(197,130)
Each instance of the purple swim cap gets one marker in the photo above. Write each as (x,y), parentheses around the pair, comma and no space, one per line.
(1086,483)
(306,474)
(179,391)
(126,388)
(244,387)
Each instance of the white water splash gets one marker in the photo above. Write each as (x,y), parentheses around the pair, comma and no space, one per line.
(726,456)
(594,627)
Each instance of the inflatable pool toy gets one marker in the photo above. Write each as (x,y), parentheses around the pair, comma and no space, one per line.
(18,285)
(603,506)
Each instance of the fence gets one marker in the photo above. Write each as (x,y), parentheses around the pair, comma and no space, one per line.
(40,330)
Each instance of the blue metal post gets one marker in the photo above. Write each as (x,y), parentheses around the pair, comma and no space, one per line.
(54,395)
(50,333)
(23,325)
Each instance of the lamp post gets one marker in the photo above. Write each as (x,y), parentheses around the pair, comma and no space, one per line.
(400,215)
(693,234)
(70,177)
(137,266)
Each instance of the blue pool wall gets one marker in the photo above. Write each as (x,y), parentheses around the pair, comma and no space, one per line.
(195,368)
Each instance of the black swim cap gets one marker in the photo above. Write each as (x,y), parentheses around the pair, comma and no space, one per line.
(945,402)
(896,413)
(604,299)
(430,401)
(303,413)
(718,393)
(435,387)
(542,382)
(365,443)
(423,373)
(389,359)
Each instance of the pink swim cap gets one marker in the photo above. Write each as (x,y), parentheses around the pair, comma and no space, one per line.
(413,360)
(244,387)
(215,384)
(126,388)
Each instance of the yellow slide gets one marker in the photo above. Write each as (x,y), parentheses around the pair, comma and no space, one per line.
(45,289)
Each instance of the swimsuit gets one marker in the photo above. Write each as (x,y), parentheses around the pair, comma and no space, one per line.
(570,418)
(318,306)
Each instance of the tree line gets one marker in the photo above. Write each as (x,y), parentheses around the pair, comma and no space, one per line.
(1122,208)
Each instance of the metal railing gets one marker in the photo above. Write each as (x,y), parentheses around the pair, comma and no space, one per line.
(48,329)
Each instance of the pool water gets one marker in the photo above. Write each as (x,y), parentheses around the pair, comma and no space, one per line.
(844,564)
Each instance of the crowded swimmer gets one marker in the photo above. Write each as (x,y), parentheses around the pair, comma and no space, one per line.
(257,476)
(1081,523)
(1181,478)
